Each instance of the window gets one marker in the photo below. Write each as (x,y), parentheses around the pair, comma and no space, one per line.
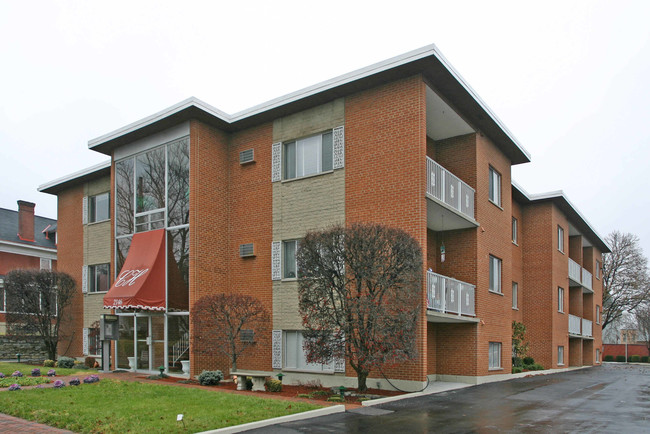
(495,274)
(98,275)
(515,290)
(290,268)
(495,186)
(98,208)
(560,239)
(514,230)
(560,299)
(3,302)
(45,264)
(560,355)
(597,314)
(308,156)
(597,355)
(495,355)
(94,343)
(295,356)
(598,268)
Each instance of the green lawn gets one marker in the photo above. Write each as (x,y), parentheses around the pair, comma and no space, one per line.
(9,368)
(120,406)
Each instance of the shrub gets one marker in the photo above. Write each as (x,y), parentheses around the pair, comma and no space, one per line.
(36,372)
(48,363)
(273,385)
(14,387)
(210,378)
(644,359)
(529,361)
(537,367)
(59,384)
(517,369)
(65,362)
(634,358)
(90,361)
(17,374)
(620,358)
(51,373)
(74,382)
(608,358)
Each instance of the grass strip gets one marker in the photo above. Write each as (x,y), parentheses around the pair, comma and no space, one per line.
(121,406)
(8,368)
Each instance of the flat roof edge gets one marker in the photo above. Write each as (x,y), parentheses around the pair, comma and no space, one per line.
(67,178)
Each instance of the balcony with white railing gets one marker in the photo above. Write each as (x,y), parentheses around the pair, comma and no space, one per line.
(586,328)
(574,325)
(587,280)
(455,199)
(574,272)
(449,296)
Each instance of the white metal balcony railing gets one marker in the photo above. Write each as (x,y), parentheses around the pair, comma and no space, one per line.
(448,188)
(574,270)
(574,324)
(587,279)
(586,328)
(448,295)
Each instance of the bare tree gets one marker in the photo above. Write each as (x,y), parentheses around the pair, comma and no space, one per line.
(360,293)
(642,314)
(625,277)
(229,324)
(37,304)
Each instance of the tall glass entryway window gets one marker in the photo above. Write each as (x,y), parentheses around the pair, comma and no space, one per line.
(152,192)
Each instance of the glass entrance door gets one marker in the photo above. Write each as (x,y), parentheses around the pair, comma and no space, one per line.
(150,342)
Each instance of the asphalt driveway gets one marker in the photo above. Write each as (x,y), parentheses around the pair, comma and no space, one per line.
(610,398)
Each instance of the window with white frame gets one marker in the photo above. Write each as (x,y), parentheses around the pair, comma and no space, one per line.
(45,264)
(560,238)
(98,276)
(295,356)
(560,299)
(597,355)
(597,314)
(98,208)
(495,274)
(308,156)
(560,355)
(515,294)
(598,268)
(289,265)
(3,301)
(495,355)
(495,186)
(514,230)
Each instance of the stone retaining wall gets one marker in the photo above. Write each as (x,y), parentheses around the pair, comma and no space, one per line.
(30,348)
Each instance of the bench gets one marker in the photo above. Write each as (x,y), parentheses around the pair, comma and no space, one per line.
(259,378)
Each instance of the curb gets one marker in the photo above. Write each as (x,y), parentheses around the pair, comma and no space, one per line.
(277,420)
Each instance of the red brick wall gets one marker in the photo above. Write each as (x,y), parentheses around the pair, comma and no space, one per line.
(209,223)
(11,261)
(619,350)
(70,260)
(385,175)
(560,273)
(517,263)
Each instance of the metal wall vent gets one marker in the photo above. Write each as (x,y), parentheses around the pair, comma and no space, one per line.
(246,250)
(247,335)
(247,156)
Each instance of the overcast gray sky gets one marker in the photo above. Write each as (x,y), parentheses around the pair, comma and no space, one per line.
(570,79)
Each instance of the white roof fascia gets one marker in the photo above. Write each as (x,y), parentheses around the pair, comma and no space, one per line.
(27,250)
(312,90)
(74,175)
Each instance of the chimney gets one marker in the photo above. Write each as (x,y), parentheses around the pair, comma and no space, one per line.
(26,220)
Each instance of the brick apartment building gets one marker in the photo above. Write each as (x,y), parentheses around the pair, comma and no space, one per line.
(27,241)
(204,202)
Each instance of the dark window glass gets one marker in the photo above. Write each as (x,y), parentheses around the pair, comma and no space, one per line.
(125,196)
(99,208)
(178,184)
(150,180)
(99,277)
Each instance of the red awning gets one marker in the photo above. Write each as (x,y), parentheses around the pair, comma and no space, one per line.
(141,282)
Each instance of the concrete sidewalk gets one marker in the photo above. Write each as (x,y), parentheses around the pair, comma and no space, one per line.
(12,424)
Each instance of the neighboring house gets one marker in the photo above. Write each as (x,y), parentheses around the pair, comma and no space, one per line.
(26,241)
(204,202)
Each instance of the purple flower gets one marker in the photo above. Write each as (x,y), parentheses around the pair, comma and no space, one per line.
(2,375)
(51,373)
(36,372)
(14,387)
(17,374)
(74,382)
(59,384)
(91,379)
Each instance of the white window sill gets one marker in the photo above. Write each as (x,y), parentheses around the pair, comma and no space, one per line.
(307,176)
(98,222)
(307,371)
(515,308)
(495,204)
(495,292)
(289,279)
(96,292)
(495,369)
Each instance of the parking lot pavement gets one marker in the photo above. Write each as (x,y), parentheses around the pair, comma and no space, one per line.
(613,397)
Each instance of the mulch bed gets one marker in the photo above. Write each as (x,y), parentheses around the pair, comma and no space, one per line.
(320,394)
